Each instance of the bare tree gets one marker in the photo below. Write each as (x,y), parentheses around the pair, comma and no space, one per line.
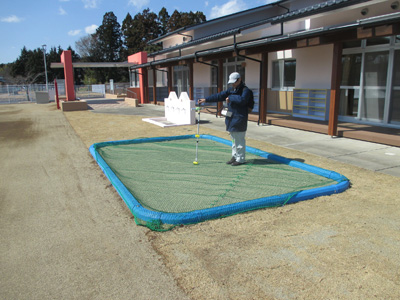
(87,46)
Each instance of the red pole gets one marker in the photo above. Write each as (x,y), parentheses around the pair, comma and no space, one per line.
(57,99)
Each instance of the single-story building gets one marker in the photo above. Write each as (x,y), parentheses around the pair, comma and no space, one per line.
(311,64)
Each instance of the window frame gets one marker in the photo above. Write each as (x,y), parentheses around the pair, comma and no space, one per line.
(282,70)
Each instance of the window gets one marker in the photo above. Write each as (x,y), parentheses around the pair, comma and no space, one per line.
(350,85)
(135,79)
(233,64)
(370,87)
(283,74)
(378,41)
(352,44)
(181,79)
(351,69)
(214,78)
(375,78)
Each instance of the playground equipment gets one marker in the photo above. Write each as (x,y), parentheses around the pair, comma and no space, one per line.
(178,111)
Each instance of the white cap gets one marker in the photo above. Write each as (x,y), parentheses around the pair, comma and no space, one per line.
(233,77)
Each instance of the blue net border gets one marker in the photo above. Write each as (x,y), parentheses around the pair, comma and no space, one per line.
(220,211)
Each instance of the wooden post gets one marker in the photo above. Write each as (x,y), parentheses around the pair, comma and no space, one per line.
(220,83)
(57,98)
(169,74)
(335,88)
(191,88)
(154,86)
(263,88)
(145,82)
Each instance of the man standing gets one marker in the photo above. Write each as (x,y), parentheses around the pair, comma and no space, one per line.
(237,98)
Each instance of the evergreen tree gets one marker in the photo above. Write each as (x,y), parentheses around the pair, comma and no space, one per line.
(18,67)
(54,55)
(5,72)
(140,30)
(109,42)
(34,69)
(127,30)
(181,19)
(29,66)
(163,18)
(174,21)
(109,38)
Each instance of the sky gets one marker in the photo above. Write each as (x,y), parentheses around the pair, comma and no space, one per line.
(33,23)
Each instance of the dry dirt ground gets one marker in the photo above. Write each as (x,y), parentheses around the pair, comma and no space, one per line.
(64,231)
(344,246)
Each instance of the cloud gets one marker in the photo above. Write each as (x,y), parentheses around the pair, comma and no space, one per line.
(64,0)
(91,29)
(138,3)
(228,8)
(206,3)
(74,32)
(61,11)
(12,19)
(91,3)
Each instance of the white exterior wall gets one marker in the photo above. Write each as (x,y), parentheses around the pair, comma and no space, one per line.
(313,66)
(201,75)
(253,72)
(177,39)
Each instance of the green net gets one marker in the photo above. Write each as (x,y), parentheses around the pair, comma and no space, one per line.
(162,177)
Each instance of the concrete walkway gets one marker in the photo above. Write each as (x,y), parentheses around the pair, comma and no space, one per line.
(371,156)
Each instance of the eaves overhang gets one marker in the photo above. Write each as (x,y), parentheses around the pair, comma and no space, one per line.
(55,65)
(216,20)
(393,18)
(289,16)
(319,8)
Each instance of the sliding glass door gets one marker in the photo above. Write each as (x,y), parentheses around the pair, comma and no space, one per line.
(370,87)
(181,79)
(350,86)
(374,89)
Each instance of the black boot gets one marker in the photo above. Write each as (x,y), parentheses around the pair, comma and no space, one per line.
(231,161)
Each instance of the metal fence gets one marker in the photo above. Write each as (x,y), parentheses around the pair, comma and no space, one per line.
(88,91)
(10,94)
(21,93)
(117,88)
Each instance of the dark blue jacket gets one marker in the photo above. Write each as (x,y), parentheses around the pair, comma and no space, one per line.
(238,105)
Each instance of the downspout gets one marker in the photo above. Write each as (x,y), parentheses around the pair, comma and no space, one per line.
(281,6)
(256,60)
(191,37)
(236,51)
